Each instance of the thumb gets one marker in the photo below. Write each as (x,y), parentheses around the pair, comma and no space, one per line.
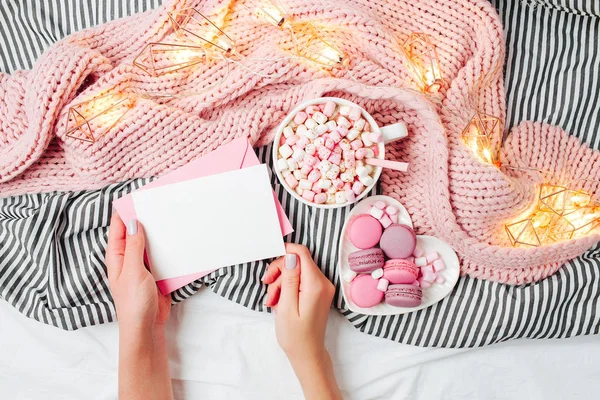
(135,244)
(290,284)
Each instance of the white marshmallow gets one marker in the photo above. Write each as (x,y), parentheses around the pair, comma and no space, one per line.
(324,183)
(352,134)
(310,149)
(359,124)
(311,134)
(319,117)
(282,164)
(320,129)
(420,261)
(288,131)
(299,175)
(345,110)
(376,212)
(301,130)
(305,184)
(348,275)
(324,166)
(333,172)
(369,153)
(382,284)
(362,171)
(292,164)
(331,125)
(298,155)
(310,123)
(366,180)
(365,138)
(340,198)
(378,273)
(286,151)
(347,176)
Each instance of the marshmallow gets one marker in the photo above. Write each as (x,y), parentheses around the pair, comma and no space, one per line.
(376,212)
(345,110)
(428,269)
(383,284)
(353,134)
(310,149)
(299,174)
(292,164)
(360,153)
(335,158)
(420,261)
(301,130)
(369,154)
(329,108)
(323,152)
(340,198)
(298,155)
(419,252)
(333,172)
(355,113)
(299,191)
(335,137)
(366,180)
(319,117)
(320,198)
(302,142)
(300,117)
(344,145)
(342,131)
(393,218)
(314,175)
(337,184)
(324,183)
(282,164)
(376,137)
(291,181)
(310,134)
(358,187)
(331,125)
(347,177)
(320,129)
(350,196)
(324,166)
(359,124)
(305,184)
(429,277)
(310,123)
(348,275)
(330,144)
(385,221)
(288,131)
(375,149)
(312,109)
(285,173)
(431,257)
(362,172)
(380,204)
(440,279)
(343,122)
(439,265)
(391,210)
(366,139)
(308,195)
(417,283)
(424,284)
(285,151)
(378,273)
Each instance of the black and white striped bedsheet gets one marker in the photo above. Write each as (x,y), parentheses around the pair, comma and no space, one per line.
(51,259)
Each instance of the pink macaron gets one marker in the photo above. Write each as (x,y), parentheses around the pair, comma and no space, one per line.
(403,295)
(364,261)
(400,271)
(398,241)
(364,231)
(364,292)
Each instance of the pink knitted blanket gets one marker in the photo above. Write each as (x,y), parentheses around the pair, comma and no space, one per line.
(448,192)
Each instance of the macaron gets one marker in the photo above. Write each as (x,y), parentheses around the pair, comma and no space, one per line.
(400,271)
(364,292)
(364,231)
(403,295)
(398,241)
(364,261)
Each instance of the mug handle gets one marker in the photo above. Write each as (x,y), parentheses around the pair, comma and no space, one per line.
(394,132)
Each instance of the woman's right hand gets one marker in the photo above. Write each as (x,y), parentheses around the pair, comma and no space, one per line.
(301,296)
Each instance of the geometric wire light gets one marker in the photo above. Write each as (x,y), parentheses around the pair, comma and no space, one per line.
(158,59)
(314,45)
(483,136)
(423,61)
(192,26)
(88,121)
(269,10)
(560,214)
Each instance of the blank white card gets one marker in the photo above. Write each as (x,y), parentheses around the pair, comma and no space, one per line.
(208,223)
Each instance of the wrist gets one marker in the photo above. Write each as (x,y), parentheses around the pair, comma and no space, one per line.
(316,376)
(140,336)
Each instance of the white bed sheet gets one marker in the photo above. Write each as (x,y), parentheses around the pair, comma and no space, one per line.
(219,350)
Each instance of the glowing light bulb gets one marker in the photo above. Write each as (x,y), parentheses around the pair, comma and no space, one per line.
(270,12)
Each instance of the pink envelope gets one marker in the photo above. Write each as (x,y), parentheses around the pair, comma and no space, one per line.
(237,154)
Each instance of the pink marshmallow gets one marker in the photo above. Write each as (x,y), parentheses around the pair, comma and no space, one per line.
(439,265)
(329,144)
(300,117)
(343,122)
(360,153)
(338,183)
(302,142)
(329,108)
(335,158)
(428,269)
(291,181)
(419,252)
(350,163)
(306,169)
(391,210)
(375,150)
(376,137)
(315,188)
(320,198)
(335,136)
(310,160)
(350,196)
(342,131)
(431,257)
(356,144)
(358,187)
(385,221)
(314,175)
(292,140)
(347,186)
(427,276)
(440,279)
(383,284)
(308,195)
(344,145)
(380,204)
(323,152)
(312,109)
(355,113)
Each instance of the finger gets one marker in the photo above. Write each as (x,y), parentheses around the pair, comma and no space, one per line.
(309,272)
(273,271)
(273,293)
(115,248)
(134,245)
(290,284)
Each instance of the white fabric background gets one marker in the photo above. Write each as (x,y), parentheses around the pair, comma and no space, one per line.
(219,349)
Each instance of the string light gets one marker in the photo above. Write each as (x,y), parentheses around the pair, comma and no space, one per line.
(269,10)
(483,136)
(88,121)
(158,59)
(314,45)
(192,26)
(423,61)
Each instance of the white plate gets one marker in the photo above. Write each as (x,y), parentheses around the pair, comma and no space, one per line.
(429,244)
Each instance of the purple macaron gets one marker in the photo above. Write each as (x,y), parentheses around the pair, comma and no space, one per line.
(403,295)
(398,241)
(364,261)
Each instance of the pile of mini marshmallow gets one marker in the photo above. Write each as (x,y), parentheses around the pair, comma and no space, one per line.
(322,152)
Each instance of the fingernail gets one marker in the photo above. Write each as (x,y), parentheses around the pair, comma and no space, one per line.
(290,261)
(131,227)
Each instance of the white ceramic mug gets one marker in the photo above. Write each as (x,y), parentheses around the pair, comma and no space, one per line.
(390,133)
